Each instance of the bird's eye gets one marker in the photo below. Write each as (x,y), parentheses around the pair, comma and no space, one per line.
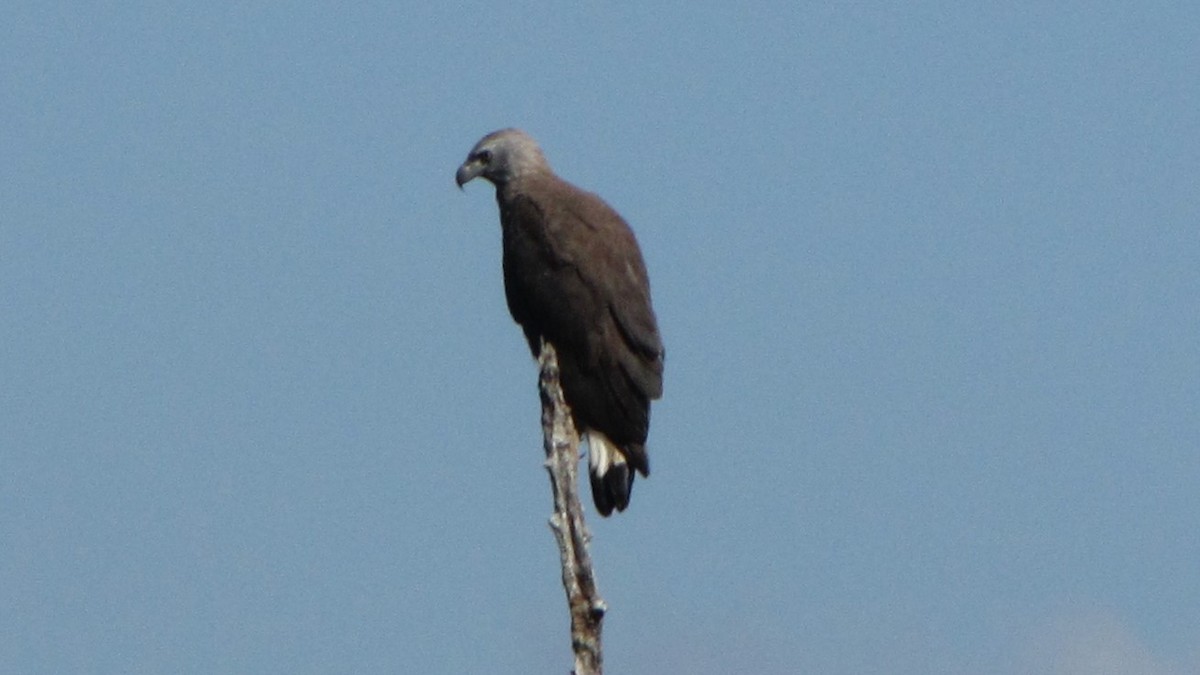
(485,156)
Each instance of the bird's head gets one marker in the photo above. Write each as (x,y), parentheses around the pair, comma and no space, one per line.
(500,157)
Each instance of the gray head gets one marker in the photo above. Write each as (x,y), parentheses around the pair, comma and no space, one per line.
(502,156)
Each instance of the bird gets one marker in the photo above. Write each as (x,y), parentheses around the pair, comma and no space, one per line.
(575,277)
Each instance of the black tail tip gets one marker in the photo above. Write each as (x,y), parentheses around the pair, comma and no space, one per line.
(612,490)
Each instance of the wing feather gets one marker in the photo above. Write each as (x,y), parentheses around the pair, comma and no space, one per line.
(574,275)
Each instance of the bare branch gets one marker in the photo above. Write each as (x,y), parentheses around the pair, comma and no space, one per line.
(570,530)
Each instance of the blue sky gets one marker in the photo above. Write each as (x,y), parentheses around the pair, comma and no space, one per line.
(927,277)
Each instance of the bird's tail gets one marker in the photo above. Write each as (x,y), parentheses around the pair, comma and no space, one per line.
(611,470)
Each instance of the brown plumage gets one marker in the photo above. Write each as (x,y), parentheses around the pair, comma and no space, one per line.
(574,276)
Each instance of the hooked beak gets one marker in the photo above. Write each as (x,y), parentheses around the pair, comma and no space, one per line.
(467,172)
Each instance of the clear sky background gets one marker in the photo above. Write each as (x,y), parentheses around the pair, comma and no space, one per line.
(928,277)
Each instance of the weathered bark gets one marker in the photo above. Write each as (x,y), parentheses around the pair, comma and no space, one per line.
(561,442)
